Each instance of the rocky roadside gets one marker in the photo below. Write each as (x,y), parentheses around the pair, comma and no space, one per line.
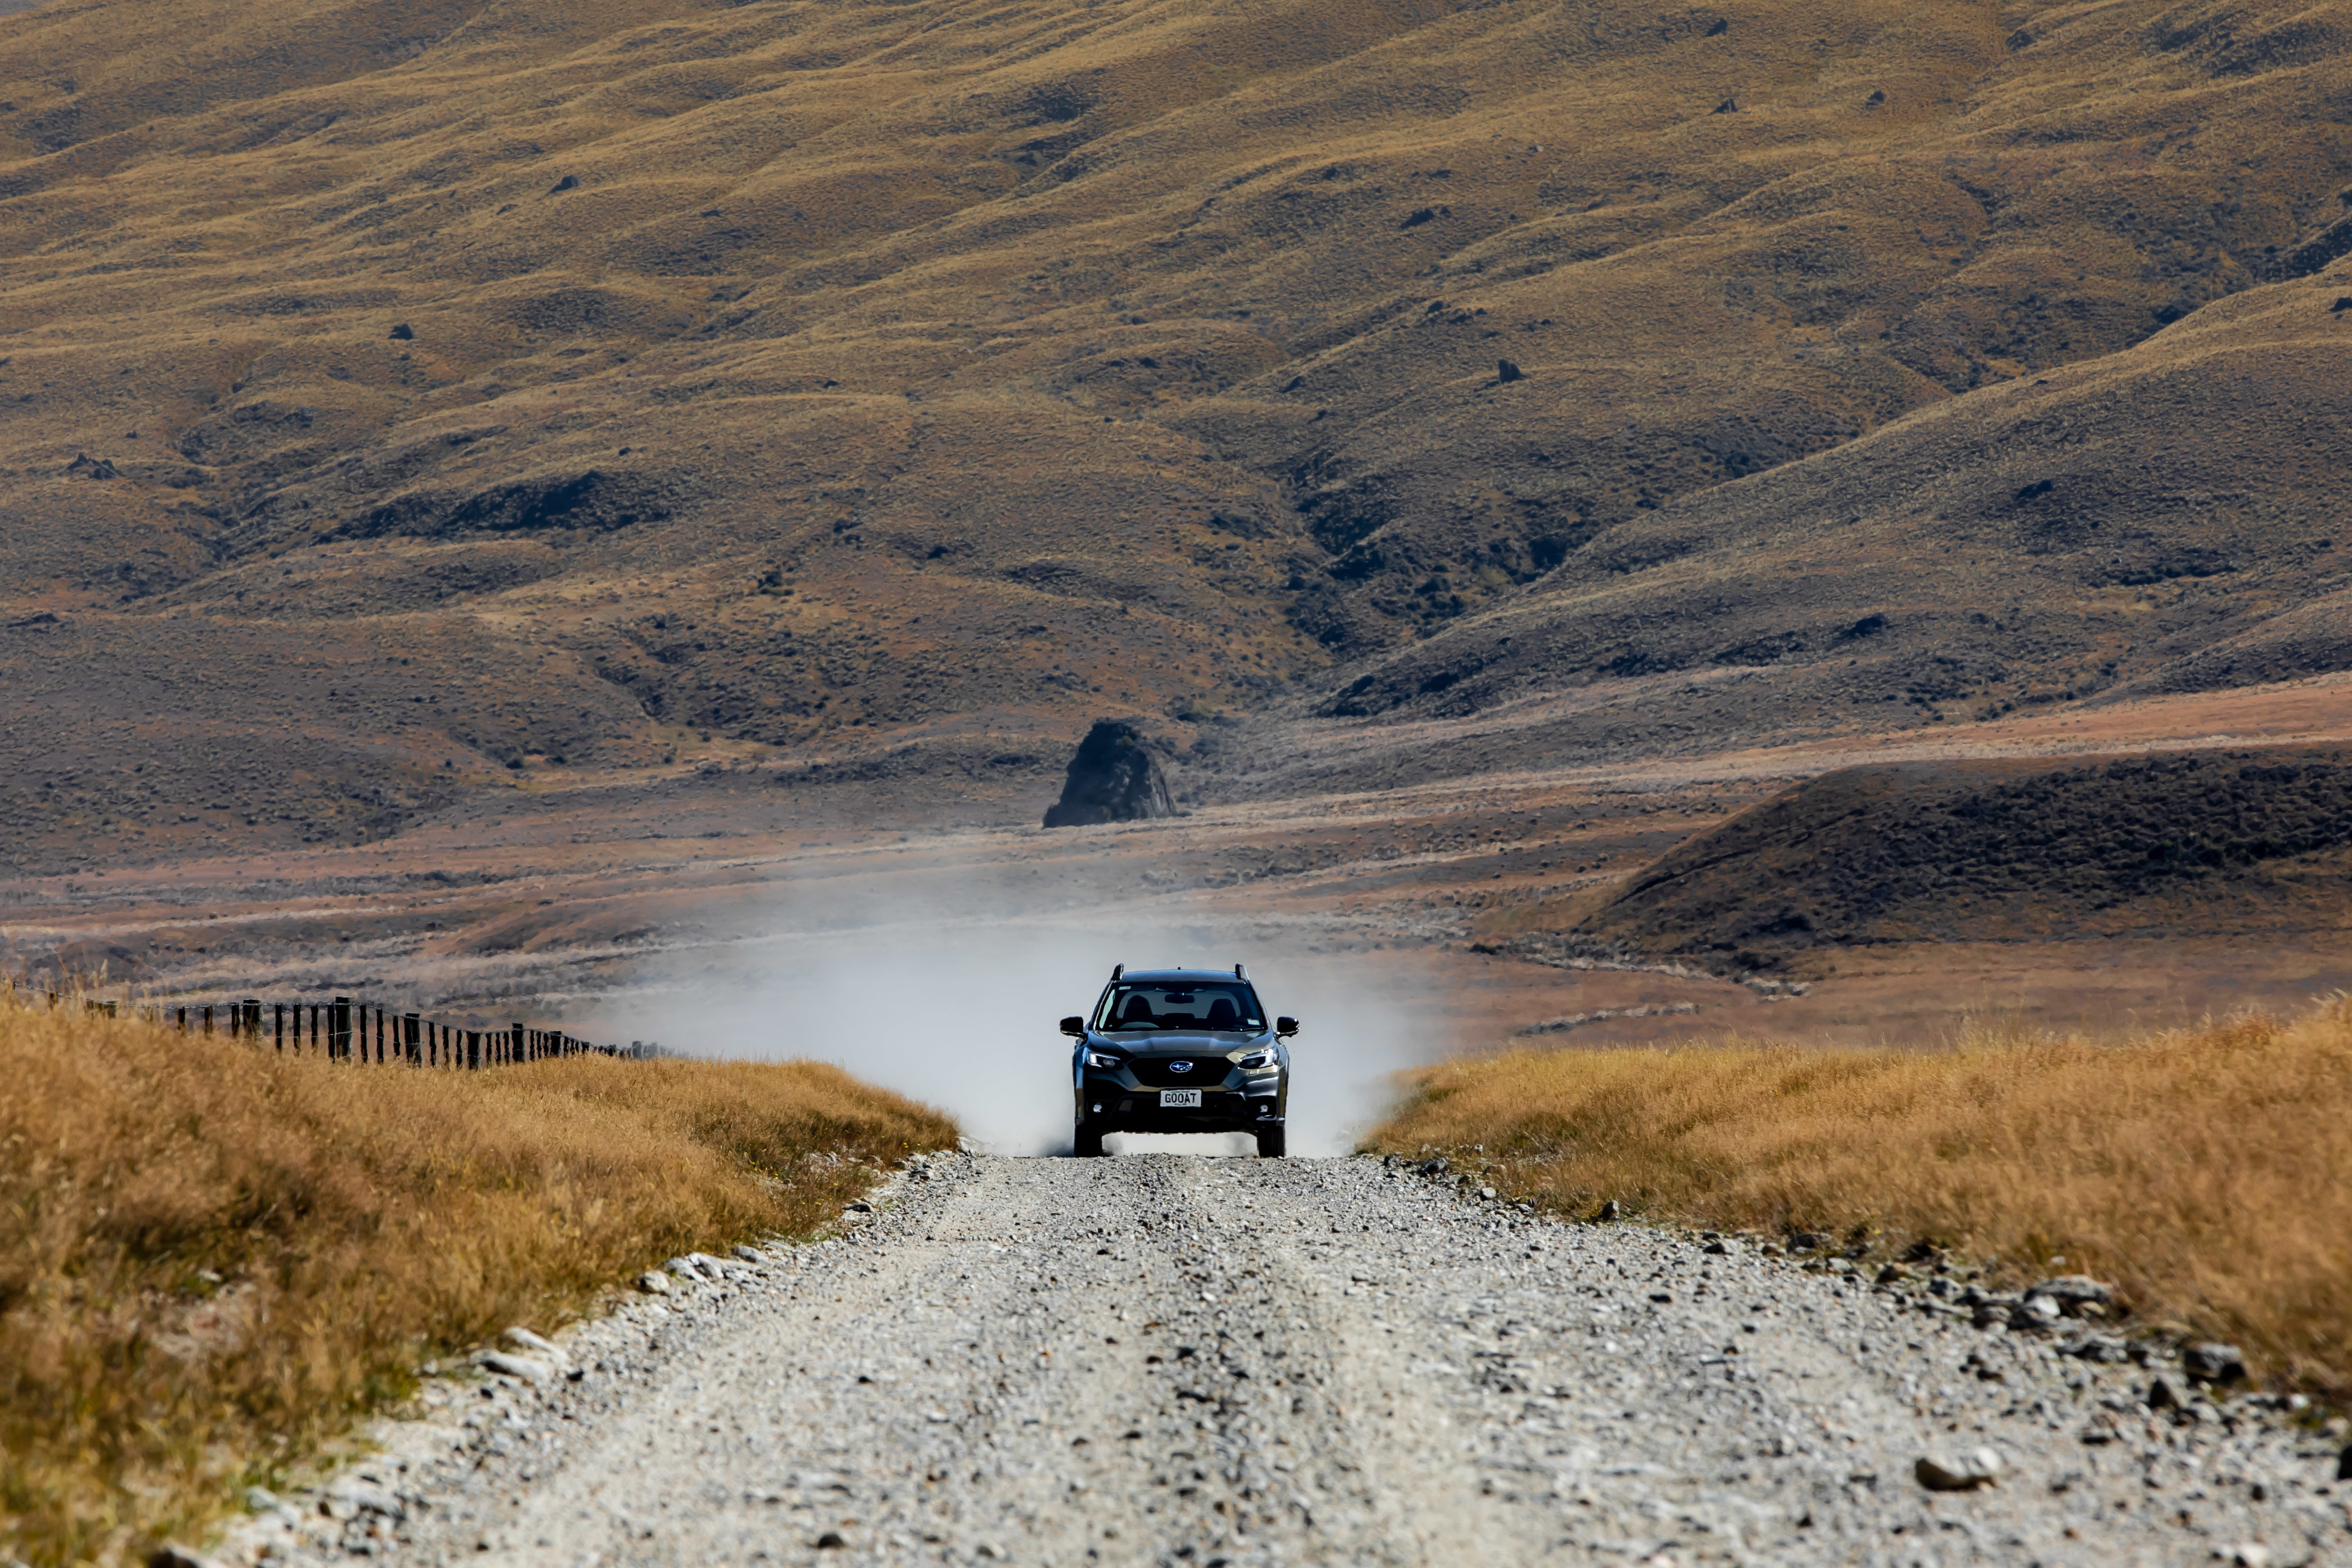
(512,1408)
(2229,1465)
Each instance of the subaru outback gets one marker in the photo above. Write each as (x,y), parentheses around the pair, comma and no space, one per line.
(1179,1050)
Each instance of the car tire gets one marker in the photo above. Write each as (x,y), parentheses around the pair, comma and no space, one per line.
(1270,1142)
(1086,1143)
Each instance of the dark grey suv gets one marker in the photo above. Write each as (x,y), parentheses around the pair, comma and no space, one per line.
(1180,1050)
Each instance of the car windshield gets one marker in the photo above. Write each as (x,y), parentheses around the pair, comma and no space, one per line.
(1230,1006)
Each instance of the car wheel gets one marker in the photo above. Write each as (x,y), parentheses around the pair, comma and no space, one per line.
(1270,1142)
(1088,1142)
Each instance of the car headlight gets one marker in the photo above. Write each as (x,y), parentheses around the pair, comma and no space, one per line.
(1257,1060)
(1105,1060)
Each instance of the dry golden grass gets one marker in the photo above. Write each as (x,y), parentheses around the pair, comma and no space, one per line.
(2207,1173)
(212,1260)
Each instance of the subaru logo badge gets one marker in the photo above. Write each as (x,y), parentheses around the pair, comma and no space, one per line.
(1180,1067)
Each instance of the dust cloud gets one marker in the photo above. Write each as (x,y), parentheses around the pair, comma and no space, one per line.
(956,1004)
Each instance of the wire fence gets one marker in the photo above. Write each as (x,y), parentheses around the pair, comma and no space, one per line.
(346,1031)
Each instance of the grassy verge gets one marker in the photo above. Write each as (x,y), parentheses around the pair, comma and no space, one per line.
(2208,1172)
(213,1258)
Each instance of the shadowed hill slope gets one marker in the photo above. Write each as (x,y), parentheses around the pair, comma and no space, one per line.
(2256,840)
(919,375)
(2167,518)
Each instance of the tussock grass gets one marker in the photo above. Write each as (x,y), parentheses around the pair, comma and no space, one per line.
(214,1259)
(2208,1172)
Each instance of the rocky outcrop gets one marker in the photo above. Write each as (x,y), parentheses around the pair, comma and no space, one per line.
(1113,778)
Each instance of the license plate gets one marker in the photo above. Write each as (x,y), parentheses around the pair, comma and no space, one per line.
(1169,1097)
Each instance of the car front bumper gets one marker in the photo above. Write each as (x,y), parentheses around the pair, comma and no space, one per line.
(1115,1107)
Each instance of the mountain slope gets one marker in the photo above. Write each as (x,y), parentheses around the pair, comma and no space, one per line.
(805,374)
(2167,518)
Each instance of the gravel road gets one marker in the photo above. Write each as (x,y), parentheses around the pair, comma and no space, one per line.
(1198,1361)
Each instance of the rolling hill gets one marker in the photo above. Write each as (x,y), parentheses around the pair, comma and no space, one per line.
(400,398)
(2243,841)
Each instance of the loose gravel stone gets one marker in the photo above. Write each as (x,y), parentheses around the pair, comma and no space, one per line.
(1191,1362)
(2214,1363)
(1981,1469)
(521,1366)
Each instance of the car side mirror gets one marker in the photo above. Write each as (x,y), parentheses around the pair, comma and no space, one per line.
(1286,1027)
(1074,1026)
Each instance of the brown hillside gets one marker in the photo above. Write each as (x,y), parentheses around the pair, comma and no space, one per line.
(2168,517)
(597,377)
(2254,840)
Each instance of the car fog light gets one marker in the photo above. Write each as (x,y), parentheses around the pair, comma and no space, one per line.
(1098,1110)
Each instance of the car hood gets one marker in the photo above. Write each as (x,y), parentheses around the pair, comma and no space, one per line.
(1179,1043)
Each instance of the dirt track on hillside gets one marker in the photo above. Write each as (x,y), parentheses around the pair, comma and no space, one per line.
(1178,1361)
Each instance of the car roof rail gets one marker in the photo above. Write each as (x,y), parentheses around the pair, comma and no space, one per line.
(1116,970)
(1239,972)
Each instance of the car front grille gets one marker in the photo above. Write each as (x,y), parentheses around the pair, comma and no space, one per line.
(1207,1072)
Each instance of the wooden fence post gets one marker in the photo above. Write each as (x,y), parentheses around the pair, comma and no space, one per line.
(339,1028)
(411,1029)
(473,1050)
(279,1009)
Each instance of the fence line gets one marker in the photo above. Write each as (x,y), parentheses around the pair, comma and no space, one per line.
(341,1030)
